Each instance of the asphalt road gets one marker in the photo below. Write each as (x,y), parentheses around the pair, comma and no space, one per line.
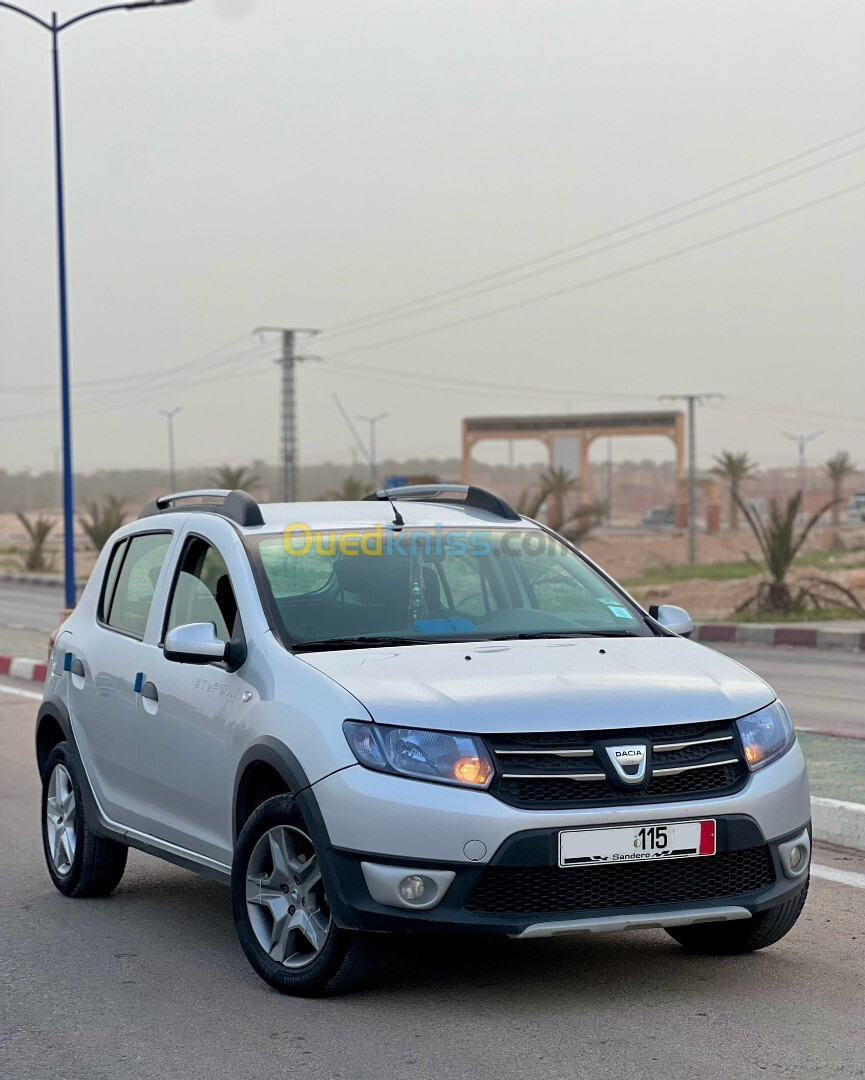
(151,983)
(30,607)
(823,690)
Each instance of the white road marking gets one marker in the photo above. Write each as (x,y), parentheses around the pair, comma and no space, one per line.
(843,877)
(21,693)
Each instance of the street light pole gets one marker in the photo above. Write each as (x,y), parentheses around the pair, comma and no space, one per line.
(169,415)
(55,28)
(801,442)
(372,421)
(68,480)
(692,400)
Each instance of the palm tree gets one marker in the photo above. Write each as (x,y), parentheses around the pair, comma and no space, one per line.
(780,542)
(581,523)
(556,484)
(735,468)
(101,520)
(838,468)
(234,478)
(529,503)
(38,532)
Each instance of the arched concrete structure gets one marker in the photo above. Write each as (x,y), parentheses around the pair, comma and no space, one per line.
(585,428)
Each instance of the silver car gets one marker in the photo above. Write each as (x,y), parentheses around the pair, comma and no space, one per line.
(419,712)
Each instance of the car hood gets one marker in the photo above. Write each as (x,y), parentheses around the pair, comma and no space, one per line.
(560,685)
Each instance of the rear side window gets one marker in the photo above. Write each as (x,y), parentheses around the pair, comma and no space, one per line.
(131,582)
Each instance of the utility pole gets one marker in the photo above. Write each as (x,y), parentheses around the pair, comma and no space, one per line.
(609,480)
(372,421)
(288,359)
(55,28)
(693,400)
(801,442)
(169,415)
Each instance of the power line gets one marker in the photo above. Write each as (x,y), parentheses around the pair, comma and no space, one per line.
(612,275)
(138,377)
(448,383)
(157,383)
(371,324)
(597,238)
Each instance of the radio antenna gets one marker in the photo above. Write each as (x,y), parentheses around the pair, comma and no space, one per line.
(397,516)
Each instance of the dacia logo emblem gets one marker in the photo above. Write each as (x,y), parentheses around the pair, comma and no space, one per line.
(629,762)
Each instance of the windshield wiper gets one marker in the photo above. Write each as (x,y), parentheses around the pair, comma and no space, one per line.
(531,636)
(365,641)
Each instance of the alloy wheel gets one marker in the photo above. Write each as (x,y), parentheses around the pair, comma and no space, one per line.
(285,897)
(61,822)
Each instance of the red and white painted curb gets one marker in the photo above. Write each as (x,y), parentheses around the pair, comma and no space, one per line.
(807,637)
(19,667)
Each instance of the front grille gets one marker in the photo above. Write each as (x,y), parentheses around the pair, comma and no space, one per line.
(549,771)
(551,890)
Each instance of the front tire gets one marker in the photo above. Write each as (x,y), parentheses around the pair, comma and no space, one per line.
(281,912)
(80,862)
(733,938)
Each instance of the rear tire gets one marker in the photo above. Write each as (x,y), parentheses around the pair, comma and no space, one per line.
(732,938)
(80,862)
(281,913)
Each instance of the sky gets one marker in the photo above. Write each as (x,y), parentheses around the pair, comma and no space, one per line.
(232,164)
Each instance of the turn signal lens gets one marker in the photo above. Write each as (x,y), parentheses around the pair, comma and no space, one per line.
(470,770)
(753,755)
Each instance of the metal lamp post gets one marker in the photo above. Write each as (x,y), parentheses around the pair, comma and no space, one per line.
(169,415)
(372,421)
(55,28)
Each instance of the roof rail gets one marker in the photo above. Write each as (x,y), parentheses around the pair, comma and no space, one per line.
(237,506)
(462,494)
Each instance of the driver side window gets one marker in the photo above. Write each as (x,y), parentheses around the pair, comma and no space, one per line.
(203,591)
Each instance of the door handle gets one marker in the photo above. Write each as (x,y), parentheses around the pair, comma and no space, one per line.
(77,667)
(149,691)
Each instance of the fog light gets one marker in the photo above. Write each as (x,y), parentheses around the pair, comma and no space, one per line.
(795,855)
(412,888)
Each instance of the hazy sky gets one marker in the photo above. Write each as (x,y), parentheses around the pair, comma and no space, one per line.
(232,163)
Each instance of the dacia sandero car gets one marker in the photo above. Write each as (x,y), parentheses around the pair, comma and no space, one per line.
(419,712)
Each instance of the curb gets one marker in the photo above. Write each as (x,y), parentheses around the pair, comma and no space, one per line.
(803,637)
(19,667)
(839,823)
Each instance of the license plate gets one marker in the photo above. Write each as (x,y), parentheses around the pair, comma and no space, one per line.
(637,843)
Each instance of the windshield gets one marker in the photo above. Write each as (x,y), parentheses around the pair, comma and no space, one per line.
(350,588)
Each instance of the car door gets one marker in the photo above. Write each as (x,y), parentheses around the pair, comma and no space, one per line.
(189,714)
(105,659)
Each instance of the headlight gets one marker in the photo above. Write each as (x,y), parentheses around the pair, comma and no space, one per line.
(424,755)
(766,735)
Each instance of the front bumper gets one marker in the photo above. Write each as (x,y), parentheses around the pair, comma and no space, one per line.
(523,892)
(504,860)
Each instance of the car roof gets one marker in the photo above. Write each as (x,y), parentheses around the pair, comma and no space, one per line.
(352,515)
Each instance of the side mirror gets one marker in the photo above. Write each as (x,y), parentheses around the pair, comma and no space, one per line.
(194,643)
(673,618)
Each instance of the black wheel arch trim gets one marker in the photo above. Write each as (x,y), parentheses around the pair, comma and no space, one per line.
(273,752)
(54,711)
